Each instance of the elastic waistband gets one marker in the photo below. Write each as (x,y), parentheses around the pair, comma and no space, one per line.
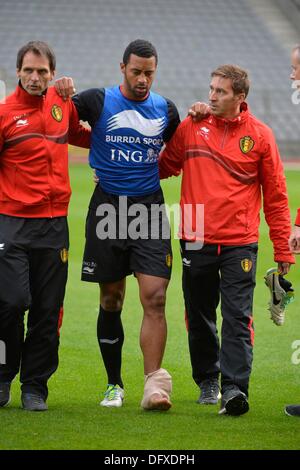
(48,210)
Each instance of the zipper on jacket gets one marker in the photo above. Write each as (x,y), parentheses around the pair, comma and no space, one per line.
(50,169)
(224,135)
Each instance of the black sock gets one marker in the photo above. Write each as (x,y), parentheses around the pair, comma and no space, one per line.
(110,338)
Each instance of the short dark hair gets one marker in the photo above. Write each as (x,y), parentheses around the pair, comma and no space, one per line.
(39,48)
(239,77)
(141,48)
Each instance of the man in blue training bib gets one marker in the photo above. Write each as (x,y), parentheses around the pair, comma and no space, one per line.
(130,124)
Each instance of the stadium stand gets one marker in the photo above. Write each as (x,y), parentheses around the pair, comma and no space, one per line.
(192,38)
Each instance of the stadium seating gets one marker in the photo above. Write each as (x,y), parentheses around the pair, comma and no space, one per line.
(192,38)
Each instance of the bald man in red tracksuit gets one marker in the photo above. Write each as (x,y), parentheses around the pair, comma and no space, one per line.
(227,165)
(34,196)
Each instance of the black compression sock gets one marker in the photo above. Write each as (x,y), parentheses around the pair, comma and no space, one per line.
(110,338)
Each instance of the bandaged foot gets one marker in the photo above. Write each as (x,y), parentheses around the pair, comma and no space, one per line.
(157,390)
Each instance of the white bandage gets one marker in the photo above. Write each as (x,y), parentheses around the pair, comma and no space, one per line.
(157,390)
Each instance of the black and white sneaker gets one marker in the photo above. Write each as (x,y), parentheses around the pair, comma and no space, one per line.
(292,410)
(210,392)
(281,292)
(33,402)
(234,402)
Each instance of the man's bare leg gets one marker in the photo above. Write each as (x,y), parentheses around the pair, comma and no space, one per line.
(153,338)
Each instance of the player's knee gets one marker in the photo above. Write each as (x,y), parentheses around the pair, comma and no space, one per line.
(112,296)
(155,301)
(113,301)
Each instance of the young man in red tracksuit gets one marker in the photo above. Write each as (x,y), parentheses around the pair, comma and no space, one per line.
(227,160)
(35,128)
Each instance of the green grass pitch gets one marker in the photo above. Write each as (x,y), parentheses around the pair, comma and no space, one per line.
(76,421)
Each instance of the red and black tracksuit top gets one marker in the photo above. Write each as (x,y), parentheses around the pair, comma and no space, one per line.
(34,136)
(227,166)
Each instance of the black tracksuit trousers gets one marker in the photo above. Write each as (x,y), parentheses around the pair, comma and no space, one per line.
(210,274)
(33,276)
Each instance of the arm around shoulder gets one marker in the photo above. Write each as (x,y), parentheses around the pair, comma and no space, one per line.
(171,158)
(78,134)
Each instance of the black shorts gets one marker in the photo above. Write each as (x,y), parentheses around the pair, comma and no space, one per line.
(32,251)
(126,235)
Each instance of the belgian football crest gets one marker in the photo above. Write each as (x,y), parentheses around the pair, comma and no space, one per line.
(169,260)
(246,144)
(64,255)
(246,265)
(57,113)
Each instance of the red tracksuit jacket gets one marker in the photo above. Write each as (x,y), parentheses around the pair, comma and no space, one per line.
(226,165)
(34,136)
